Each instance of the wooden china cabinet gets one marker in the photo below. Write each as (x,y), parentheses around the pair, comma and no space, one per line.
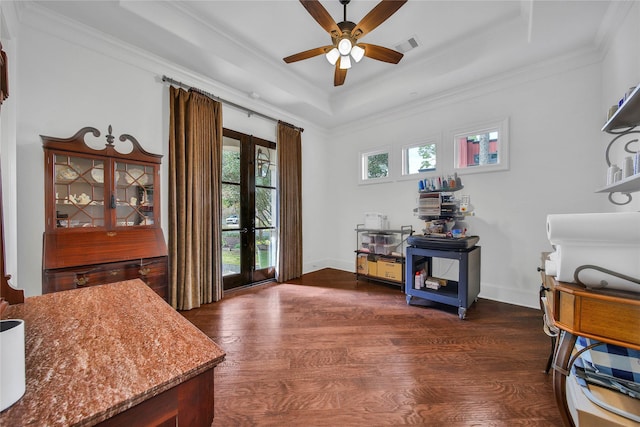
(102,213)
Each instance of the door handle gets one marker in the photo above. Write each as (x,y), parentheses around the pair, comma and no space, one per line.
(244,230)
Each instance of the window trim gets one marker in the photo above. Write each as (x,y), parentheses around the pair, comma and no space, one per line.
(363,158)
(404,175)
(502,127)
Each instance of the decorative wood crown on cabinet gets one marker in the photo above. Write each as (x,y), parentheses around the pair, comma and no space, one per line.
(102,213)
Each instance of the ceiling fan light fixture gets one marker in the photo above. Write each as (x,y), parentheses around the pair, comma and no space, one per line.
(345,34)
(345,62)
(344,46)
(332,56)
(357,53)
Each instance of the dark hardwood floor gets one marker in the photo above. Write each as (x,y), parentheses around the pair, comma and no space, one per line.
(326,350)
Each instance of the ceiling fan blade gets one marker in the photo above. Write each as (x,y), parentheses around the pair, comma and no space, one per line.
(322,17)
(381,53)
(376,16)
(339,75)
(307,54)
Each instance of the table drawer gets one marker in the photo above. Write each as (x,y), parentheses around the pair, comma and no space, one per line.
(152,271)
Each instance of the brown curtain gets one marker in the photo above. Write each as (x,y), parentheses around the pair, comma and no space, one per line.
(289,146)
(4,76)
(195,151)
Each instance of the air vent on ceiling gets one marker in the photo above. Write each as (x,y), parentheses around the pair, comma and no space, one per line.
(407,45)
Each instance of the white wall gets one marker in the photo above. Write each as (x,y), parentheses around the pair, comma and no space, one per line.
(555,166)
(8,33)
(70,79)
(556,162)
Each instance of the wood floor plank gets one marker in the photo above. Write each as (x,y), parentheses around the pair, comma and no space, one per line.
(327,350)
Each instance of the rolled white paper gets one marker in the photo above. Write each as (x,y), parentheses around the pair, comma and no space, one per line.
(550,267)
(615,258)
(606,240)
(619,228)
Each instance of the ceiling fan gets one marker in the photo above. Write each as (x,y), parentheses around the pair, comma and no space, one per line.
(345,36)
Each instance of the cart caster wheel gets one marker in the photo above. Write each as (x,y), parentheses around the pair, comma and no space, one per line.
(462,313)
(409,298)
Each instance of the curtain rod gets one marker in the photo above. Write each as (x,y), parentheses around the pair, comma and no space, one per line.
(224,101)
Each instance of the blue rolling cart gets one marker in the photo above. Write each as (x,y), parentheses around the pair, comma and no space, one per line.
(461,293)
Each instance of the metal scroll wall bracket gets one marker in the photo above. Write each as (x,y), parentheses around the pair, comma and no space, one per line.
(603,283)
(630,134)
(610,197)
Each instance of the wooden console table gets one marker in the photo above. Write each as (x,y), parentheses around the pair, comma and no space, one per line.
(610,316)
(113,354)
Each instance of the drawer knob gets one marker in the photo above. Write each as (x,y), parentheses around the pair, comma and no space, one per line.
(144,271)
(81,281)
(114,272)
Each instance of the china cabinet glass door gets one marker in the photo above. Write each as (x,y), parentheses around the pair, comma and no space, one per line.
(79,191)
(83,200)
(133,198)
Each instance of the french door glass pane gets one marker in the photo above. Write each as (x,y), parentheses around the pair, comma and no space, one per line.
(231,183)
(230,206)
(265,166)
(265,203)
(231,238)
(231,160)
(230,252)
(265,249)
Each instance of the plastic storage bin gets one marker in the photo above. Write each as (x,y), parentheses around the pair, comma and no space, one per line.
(375,221)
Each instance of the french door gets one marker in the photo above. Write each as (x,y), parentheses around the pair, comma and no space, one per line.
(249,209)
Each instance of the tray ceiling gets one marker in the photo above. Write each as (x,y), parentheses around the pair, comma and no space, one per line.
(241,45)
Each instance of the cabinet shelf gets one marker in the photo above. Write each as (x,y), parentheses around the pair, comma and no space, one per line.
(448,291)
(623,124)
(380,253)
(627,185)
(389,256)
(628,115)
(377,230)
(443,190)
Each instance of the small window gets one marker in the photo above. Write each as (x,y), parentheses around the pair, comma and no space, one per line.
(482,148)
(375,166)
(419,158)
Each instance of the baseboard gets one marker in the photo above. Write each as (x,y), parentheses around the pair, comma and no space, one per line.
(316,265)
(521,297)
(524,298)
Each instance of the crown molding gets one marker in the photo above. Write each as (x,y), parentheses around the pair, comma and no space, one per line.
(10,17)
(44,20)
(481,87)
(616,13)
